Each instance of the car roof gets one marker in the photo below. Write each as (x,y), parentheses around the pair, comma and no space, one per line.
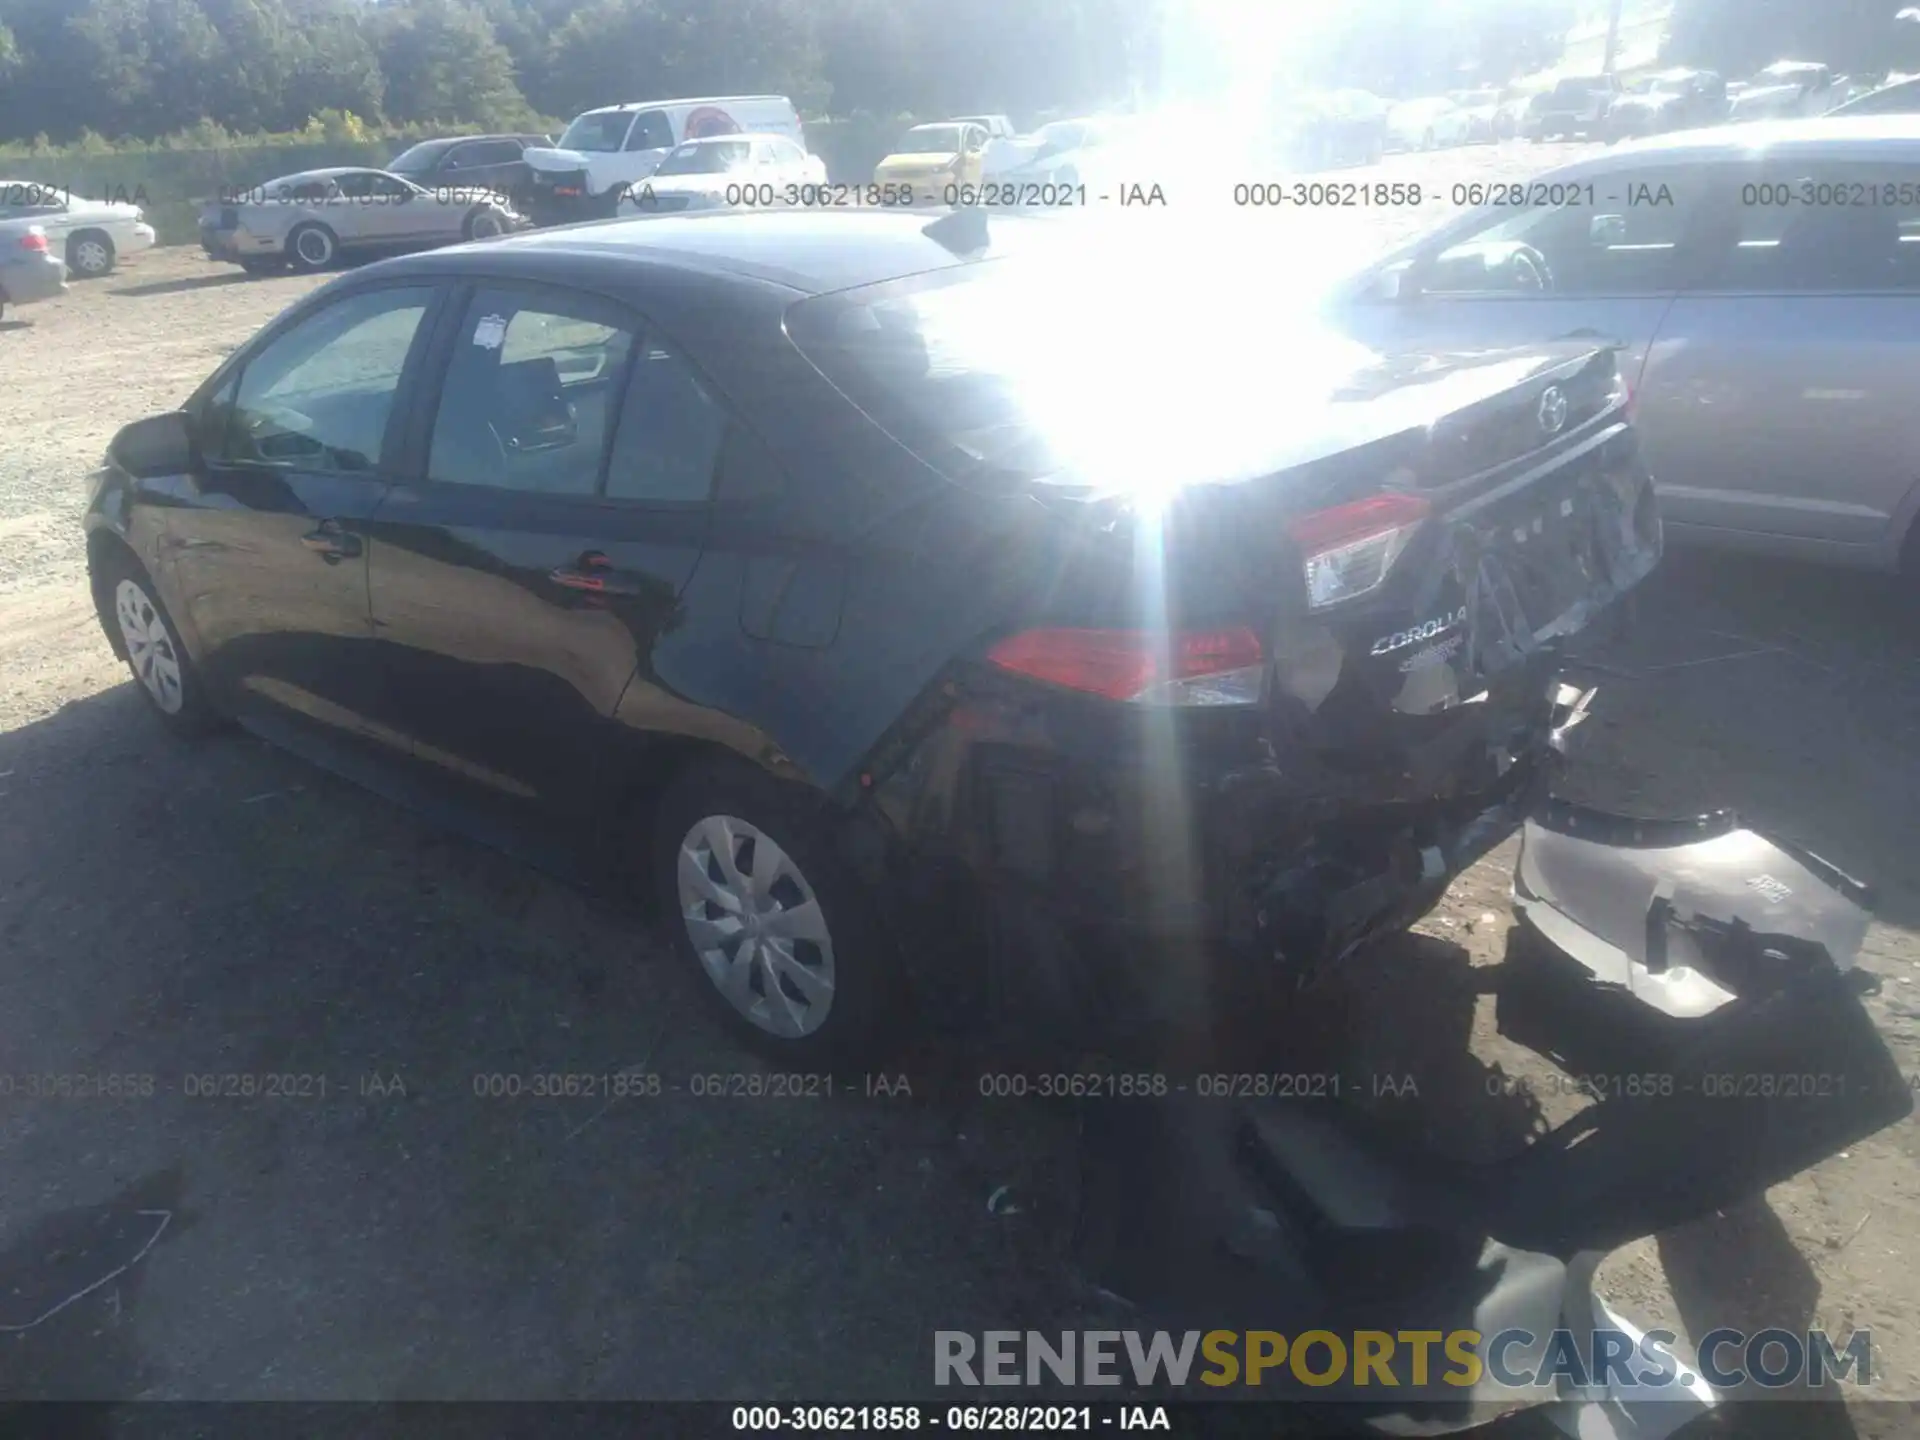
(1856,137)
(740,135)
(633,105)
(808,252)
(331,172)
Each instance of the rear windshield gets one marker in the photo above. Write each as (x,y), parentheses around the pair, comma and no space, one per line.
(1579,89)
(1005,373)
(600,132)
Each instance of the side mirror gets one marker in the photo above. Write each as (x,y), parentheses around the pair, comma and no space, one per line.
(158,446)
(1391,286)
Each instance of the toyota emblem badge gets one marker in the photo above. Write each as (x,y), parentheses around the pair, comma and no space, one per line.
(1553,410)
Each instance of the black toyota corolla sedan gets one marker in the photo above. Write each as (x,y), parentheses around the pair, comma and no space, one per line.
(913,609)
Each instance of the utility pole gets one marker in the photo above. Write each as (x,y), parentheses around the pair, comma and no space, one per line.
(1613,36)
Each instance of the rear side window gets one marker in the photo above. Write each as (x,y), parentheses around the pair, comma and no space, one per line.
(318,396)
(671,430)
(1818,227)
(529,394)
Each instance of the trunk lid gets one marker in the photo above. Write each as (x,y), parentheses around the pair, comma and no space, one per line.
(1537,515)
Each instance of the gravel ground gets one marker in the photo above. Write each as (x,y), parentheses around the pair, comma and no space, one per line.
(173,911)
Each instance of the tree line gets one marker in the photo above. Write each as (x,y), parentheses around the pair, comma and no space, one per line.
(140,69)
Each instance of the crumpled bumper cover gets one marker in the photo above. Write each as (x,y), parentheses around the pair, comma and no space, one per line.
(1327,1222)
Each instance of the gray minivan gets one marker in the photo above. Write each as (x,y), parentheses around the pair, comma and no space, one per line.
(1762,282)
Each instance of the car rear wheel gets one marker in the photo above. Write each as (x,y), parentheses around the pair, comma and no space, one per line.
(90,255)
(762,907)
(484,224)
(312,247)
(160,664)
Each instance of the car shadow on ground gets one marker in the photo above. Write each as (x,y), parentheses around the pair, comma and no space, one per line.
(329,1023)
(379,1062)
(6,325)
(1787,693)
(177,287)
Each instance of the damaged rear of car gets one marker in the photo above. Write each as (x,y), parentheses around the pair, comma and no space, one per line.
(1274,654)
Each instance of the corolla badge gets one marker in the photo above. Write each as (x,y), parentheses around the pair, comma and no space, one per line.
(1426,630)
(1553,410)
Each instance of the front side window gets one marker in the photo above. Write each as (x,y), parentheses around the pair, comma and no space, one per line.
(318,397)
(489,152)
(1621,233)
(421,159)
(1818,227)
(671,429)
(529,395)
(651,131)
(597,133)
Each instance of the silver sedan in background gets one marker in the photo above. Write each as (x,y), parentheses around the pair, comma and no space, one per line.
(30,268)
(308,221)
(1762,282)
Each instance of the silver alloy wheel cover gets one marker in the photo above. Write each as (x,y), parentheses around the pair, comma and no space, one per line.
(90,256)
(150,647)
(319,237)
(745,933)
(486,225)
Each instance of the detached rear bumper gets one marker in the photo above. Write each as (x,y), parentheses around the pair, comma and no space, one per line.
(1301,1213)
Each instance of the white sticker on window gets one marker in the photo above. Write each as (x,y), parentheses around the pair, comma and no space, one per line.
(491,332)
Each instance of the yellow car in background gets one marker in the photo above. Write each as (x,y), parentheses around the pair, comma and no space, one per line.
(930,158)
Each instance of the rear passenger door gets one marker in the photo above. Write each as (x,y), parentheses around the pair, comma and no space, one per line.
(558,508)
(1781,396)
(483,164)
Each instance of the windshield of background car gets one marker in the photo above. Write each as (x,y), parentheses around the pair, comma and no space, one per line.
(1578,89)
(1003,374)
(940,140)
(707,158)
(603,132)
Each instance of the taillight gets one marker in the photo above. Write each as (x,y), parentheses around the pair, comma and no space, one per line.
(1347,551)
(1148,667)
(34,240)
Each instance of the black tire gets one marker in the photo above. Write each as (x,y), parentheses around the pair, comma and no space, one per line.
(187,712)
(858,1024)
(90,254)
(305,248)
(478,219)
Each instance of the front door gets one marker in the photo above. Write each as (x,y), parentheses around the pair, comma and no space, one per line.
(268,547)
(527,572)
(1602,262)
(1781,396)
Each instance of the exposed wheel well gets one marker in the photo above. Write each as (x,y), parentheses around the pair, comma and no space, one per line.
(663,760)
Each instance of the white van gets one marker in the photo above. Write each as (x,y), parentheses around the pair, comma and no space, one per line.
(587,172)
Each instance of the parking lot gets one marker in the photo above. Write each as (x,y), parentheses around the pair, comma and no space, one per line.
(391,1230)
